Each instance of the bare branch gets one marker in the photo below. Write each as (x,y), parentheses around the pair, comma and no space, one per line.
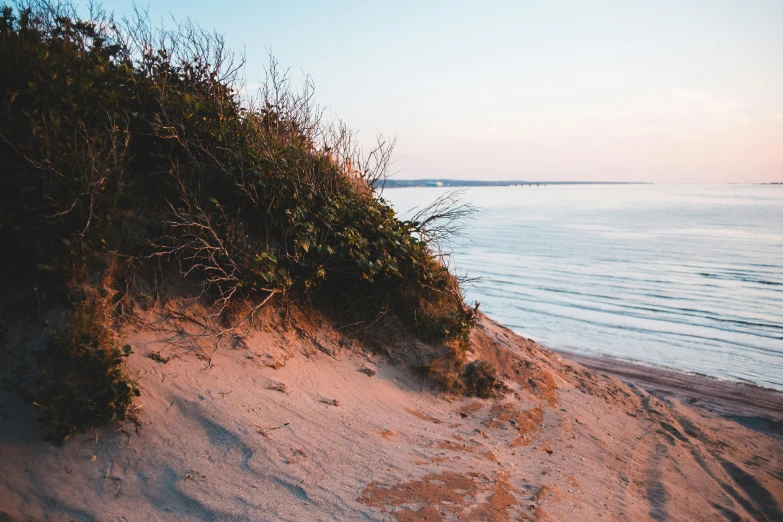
(440,222)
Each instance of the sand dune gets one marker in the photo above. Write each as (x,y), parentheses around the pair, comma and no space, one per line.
(286,426)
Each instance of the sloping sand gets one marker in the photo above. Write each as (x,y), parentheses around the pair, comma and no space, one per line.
(753,406)
(293,426)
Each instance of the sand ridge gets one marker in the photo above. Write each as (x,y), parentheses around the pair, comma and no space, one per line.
(277,425)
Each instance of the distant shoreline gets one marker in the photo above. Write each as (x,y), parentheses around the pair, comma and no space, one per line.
(437,182)
(406,183)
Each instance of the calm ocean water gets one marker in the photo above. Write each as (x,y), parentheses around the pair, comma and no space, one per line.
(688,277)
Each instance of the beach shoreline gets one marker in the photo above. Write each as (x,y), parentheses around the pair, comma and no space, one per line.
(753,406)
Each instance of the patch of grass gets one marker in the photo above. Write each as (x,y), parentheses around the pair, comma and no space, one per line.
(84,383)
(446,371)
(481,380)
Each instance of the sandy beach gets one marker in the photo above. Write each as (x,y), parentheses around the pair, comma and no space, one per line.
(314,427)
(758,408)
(211,309)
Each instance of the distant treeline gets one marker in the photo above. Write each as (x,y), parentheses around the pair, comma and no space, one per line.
(400,183)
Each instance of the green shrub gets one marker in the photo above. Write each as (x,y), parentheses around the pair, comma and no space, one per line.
(132,143)
(138,151)
(84,383)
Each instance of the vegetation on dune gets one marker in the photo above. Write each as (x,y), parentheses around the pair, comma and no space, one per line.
(481,379)
(83,382)
(126,148)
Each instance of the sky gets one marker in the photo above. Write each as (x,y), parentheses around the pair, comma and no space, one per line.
(666,91)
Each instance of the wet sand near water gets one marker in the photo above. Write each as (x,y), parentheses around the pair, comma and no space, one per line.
(755,407)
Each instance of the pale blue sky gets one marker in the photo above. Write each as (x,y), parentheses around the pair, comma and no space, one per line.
(666,91)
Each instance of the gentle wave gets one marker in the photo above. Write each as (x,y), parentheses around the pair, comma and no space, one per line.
(688,277)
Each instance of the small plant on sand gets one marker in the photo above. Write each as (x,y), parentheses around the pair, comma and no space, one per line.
(446,371)
(481,380)
(83,383)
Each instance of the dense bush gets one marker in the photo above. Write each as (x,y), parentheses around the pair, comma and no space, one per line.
(127,143)
(83,383)
(115,146)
